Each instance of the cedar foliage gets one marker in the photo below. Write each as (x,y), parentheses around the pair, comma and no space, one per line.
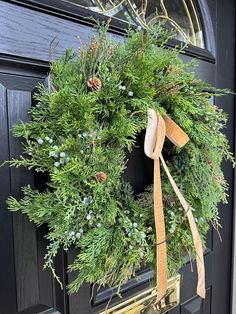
(76,132)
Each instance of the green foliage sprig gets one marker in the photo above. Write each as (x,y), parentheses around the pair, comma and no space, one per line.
(79,132)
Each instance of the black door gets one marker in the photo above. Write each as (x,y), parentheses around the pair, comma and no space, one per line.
(28,31)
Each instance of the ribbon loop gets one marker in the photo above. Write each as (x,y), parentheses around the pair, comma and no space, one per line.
(155,135)
(158,127)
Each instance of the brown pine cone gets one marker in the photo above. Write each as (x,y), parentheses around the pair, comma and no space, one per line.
(101,176)
(94,83)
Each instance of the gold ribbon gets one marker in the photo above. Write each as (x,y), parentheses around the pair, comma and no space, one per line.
(157,129)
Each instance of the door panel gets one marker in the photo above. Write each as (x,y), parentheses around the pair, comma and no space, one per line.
(30,287)
(25,246)
(6,236)
(25,43)
(46,30)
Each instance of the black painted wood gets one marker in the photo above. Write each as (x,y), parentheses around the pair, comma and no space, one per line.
(19,102)
(7,267)
(197,305)
(32,34)
(44,37)
(76,13)
(40,309)
(25,287)
(27,30)
(225,76)
(79,302)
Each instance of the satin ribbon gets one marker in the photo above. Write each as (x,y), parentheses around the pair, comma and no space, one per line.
(158,128)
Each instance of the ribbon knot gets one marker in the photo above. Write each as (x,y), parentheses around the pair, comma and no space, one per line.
(158,128)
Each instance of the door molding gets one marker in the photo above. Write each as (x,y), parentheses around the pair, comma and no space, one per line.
(71,20)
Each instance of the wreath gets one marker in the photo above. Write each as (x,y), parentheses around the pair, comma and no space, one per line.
(81,128)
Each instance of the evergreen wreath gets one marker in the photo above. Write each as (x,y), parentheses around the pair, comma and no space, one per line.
(79,134)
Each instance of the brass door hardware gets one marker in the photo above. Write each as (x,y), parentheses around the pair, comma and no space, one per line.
(145,302)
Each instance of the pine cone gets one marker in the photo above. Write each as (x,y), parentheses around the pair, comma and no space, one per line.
(94,83)
(101,176)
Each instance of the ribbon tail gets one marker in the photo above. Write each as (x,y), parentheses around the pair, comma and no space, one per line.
(161,251)
(201,291)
